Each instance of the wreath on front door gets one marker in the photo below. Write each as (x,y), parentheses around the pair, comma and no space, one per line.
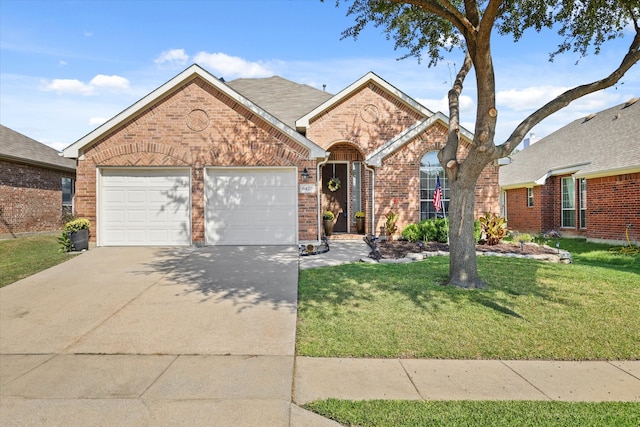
(334,184)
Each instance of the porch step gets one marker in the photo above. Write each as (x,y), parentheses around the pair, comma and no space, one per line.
(345,236)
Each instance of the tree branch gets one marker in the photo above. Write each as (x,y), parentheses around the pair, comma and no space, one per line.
(564,99)
(448,154)
(446,10)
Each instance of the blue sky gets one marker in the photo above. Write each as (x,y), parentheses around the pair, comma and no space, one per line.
(67,66)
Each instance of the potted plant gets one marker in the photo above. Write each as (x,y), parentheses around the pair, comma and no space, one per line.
(328,218)
(360,222)
(75,236)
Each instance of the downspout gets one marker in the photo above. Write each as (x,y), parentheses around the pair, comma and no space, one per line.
(319,181)
(373,198)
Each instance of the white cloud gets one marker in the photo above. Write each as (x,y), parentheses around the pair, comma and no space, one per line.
(527,98)
(74,86)
(110,82)
(97,121)
(173,56)
(67,86)
(467,105)
(223,65)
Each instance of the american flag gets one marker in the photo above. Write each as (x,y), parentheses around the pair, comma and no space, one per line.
(437,195)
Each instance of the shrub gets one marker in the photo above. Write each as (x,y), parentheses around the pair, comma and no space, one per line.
(359,214)
(328,215)
(412,233)
(77,225)
(522,238)
(494,228)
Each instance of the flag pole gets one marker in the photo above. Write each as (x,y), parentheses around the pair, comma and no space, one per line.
(444,212)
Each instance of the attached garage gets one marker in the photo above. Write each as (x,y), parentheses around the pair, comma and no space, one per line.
(251,206)
(144,207)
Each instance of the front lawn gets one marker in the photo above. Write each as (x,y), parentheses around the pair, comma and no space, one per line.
(589,310)
(25,256)
(479,413)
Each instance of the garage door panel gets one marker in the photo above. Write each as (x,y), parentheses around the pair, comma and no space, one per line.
(145,207)
(251,206)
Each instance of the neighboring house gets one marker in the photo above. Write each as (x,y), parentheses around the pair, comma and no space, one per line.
(582,180)
(200,161)
(36,185)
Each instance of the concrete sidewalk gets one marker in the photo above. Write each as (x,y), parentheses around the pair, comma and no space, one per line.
(411,379)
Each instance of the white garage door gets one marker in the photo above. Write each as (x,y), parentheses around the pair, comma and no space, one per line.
(145,207)
(253,206)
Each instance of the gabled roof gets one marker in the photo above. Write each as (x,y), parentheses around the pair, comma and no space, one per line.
(15,146)
(303,122)
(375,158)
(601,144)
(194,71)
(286,100)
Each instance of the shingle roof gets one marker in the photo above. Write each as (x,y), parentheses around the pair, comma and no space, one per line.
(18,147)
(601,144)
(286,100)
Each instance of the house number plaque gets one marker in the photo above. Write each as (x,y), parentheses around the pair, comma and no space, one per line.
(307,188)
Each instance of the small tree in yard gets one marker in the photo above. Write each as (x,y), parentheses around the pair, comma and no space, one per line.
(435,27)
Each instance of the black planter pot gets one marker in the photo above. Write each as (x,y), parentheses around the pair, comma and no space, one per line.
(328,227)
(360,225)
(80,239)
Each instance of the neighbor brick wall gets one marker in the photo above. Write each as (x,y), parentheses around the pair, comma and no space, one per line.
(196,126)
(612,203)
(520,217)
(30,198)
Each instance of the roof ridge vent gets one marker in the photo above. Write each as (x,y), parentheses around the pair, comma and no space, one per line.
(630,102)
(589,117)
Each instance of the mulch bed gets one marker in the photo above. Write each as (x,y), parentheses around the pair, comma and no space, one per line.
(400,248)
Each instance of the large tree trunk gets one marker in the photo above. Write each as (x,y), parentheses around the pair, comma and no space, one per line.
(463,269)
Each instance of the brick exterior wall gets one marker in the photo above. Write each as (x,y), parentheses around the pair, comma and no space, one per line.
(30,198)
(196,126)
(613,202)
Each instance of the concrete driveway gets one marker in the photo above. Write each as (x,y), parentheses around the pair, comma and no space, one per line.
(153,336)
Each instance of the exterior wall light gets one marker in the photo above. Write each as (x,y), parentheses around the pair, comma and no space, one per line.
(305,174)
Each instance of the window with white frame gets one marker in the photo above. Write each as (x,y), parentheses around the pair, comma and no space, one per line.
(529,197)
(430,169)
(583,202)
(568,202)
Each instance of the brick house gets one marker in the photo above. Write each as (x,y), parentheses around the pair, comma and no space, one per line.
(582,180)
(203,161)
(36,185)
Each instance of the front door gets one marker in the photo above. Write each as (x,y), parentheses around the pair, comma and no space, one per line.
(335,199)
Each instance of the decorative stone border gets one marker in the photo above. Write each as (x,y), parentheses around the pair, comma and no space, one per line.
(562,256)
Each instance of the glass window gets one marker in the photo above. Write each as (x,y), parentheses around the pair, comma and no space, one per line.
(430,169)
(67,191)
(583,202)
(529,197)
(568,202)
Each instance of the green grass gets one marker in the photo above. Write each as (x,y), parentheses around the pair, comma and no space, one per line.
(25,256)
(478,413)
(589,310)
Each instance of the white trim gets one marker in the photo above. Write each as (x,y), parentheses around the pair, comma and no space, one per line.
(608,172)
(76,149)
(303,122)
